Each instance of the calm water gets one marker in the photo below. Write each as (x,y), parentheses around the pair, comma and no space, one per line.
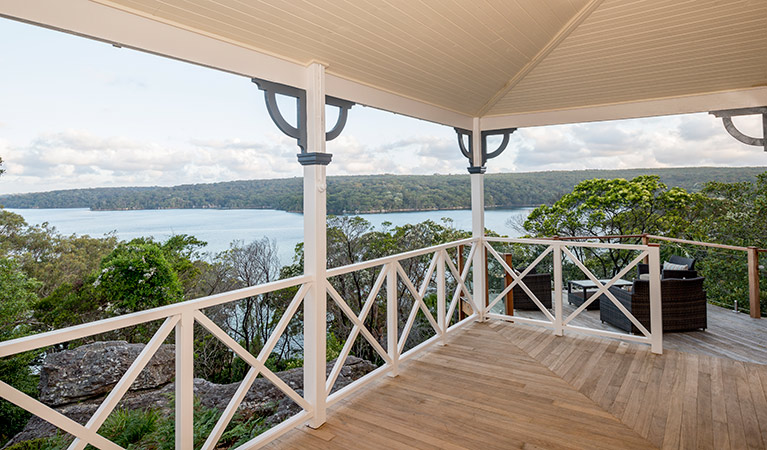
(219,227)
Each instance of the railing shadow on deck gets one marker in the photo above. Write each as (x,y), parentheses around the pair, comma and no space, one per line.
(446,277)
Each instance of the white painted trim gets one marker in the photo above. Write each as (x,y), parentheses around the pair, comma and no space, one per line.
(115,24)
(379,98)
(741,98)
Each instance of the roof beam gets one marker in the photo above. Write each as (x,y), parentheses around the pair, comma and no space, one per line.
(106,22)
(742,98)
(566,30)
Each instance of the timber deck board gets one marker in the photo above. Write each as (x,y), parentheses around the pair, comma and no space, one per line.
(481,393)
(729,335)
(501,385)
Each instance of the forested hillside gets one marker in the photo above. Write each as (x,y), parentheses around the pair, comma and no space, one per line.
(372,193)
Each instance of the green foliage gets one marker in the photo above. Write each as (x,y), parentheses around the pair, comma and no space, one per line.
(137,276)
(127,428)
(373,193)
(17,295)
(150,429)
(58,442)
(734,215)
(617,207)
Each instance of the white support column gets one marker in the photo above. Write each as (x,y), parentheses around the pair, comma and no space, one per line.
(478,222)
(185,382)
(558,290)
(315,251)
(656,315)
(441,300)
(392,319)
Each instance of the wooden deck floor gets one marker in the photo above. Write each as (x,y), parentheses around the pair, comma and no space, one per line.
(729,335)
(503,385)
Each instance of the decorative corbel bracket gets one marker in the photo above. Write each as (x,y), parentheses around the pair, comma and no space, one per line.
(726,116)
(299,131)
(469,153)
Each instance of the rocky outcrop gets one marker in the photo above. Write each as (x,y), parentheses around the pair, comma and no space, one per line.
(75,382)
(92,371)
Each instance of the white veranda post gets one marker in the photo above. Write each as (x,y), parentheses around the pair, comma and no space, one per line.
(478,220)
(315,303)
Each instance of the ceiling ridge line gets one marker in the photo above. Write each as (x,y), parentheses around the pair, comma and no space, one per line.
(550,46)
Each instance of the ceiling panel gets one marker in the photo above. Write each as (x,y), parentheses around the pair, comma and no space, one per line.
(452,53)
(631,50)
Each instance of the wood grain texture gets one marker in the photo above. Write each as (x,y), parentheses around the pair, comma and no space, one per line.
(729,335)
(676,400)
(479,391)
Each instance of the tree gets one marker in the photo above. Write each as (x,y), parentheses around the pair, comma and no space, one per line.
(137,276)
(734,215)
(601,207)
(17,295)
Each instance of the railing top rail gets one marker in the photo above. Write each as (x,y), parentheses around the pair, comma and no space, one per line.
(548,241)
(398,257)
(657,238)
(46,339)
(701,244)
(583,238)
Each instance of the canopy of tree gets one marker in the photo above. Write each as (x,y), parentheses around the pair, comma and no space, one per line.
(374,193)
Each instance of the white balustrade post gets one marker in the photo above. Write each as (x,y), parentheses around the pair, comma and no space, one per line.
(557,254)
(656,314)
(477,174)
(441,306)
(315,251)
(392,318)
(185,382)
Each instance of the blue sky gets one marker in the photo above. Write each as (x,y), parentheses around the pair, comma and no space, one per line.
(80,113)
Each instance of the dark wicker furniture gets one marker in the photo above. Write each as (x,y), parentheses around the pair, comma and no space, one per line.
(674,259)
(683,305)
(580,294)
(540,285)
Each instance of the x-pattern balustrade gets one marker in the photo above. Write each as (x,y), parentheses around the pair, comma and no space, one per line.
(390,275)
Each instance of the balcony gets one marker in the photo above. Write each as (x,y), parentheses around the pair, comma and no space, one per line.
(489,380)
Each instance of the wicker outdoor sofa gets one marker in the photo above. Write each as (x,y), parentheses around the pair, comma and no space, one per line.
(683,305)
(540,285)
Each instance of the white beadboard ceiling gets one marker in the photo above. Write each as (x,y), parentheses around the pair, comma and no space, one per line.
(496,58)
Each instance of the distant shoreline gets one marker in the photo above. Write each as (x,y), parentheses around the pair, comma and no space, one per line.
(369,194)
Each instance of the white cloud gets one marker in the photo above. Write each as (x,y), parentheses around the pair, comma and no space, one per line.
(673,141)
(74,159)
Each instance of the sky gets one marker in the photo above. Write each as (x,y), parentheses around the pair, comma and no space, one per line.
(76,113)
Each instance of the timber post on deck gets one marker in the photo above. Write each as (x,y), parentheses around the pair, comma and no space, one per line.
(753,282)
(510,295)
(646,241)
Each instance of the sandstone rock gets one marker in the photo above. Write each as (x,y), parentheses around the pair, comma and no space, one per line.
(75,382)
(92,370)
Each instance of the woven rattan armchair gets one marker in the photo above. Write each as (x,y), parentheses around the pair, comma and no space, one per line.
(683,305)
(540,285)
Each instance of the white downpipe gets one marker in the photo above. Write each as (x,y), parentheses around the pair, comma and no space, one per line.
(392,318)
(315,248)
(441,301)
(558,290)
(185,382)
(478,223)
(656,316)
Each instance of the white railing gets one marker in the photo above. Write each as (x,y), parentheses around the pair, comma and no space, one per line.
(181,317)
(392,273)
(562,250)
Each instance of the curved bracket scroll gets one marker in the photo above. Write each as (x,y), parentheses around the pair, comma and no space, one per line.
(726,116)
(469,153)
(505,142)
(299,131)
(343,114)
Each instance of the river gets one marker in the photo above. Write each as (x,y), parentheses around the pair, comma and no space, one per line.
(219,227)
